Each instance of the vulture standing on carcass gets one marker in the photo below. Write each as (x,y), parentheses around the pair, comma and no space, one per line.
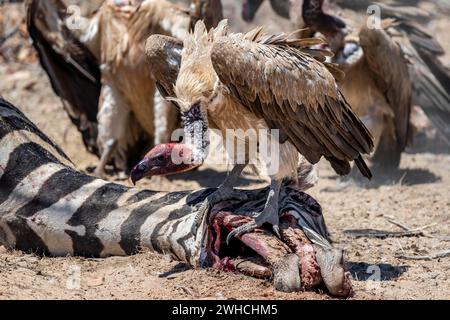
(395,66)
(96,64)
(255,82)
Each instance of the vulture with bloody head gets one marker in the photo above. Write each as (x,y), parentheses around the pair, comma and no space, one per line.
(253,83)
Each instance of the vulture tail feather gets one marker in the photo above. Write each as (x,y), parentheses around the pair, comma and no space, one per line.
(363,168)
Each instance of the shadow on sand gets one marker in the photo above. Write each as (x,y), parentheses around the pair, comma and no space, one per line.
(361,271)
(385,177)
(209,178)
(179,268)
(404,177)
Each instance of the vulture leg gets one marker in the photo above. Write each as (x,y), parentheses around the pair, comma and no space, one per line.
(223,193)
(268,215)
(381,124)
(374,121)
(107,153)
(388,153)
(113,119)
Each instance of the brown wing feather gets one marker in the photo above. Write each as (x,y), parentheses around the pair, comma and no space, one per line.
(72,69)
(282,84)
(430,79)
(164,56)
(390,68)
(432,94)
(404,12)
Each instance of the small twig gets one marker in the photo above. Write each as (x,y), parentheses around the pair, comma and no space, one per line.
(371,233)
(420,230)
(400,182)
(187,290)
(400,245)
(398,224)
(425,227)
(8,35)
(437,255)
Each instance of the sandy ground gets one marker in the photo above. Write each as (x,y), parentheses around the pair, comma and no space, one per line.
(417,195)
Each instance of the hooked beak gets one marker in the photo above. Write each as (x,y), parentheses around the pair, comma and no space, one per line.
(160,161)
(140,171)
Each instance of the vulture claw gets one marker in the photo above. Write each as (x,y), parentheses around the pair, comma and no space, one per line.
(246,228)
(222,194)
(276,230)
(269,215)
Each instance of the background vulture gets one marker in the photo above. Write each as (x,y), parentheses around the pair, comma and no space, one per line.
(396,66)
(254,82)
(97,66)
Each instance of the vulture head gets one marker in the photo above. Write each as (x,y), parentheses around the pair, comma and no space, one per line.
(196,86)
(249,9)
(332,27)
(164,159)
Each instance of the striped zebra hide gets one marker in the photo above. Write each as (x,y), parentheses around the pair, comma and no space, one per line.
(48,207)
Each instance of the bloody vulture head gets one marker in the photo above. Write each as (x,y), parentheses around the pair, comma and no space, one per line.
(164,159)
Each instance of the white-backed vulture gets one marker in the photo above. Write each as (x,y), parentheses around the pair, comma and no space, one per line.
(257,82)
(97,66)
(387,71)
(379,88)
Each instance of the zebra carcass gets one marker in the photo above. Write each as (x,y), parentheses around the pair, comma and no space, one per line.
(48,207)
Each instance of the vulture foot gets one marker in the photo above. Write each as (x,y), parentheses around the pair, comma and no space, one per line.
(223,193)
(269,215)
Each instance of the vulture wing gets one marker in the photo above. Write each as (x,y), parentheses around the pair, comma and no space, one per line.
(72,69)
(430,78)
(431,88)
(387,62)
(164,56)
(293,92)
(403,12)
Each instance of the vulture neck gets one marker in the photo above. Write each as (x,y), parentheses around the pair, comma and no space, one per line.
(282,7)
(195,122)
(317,20)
